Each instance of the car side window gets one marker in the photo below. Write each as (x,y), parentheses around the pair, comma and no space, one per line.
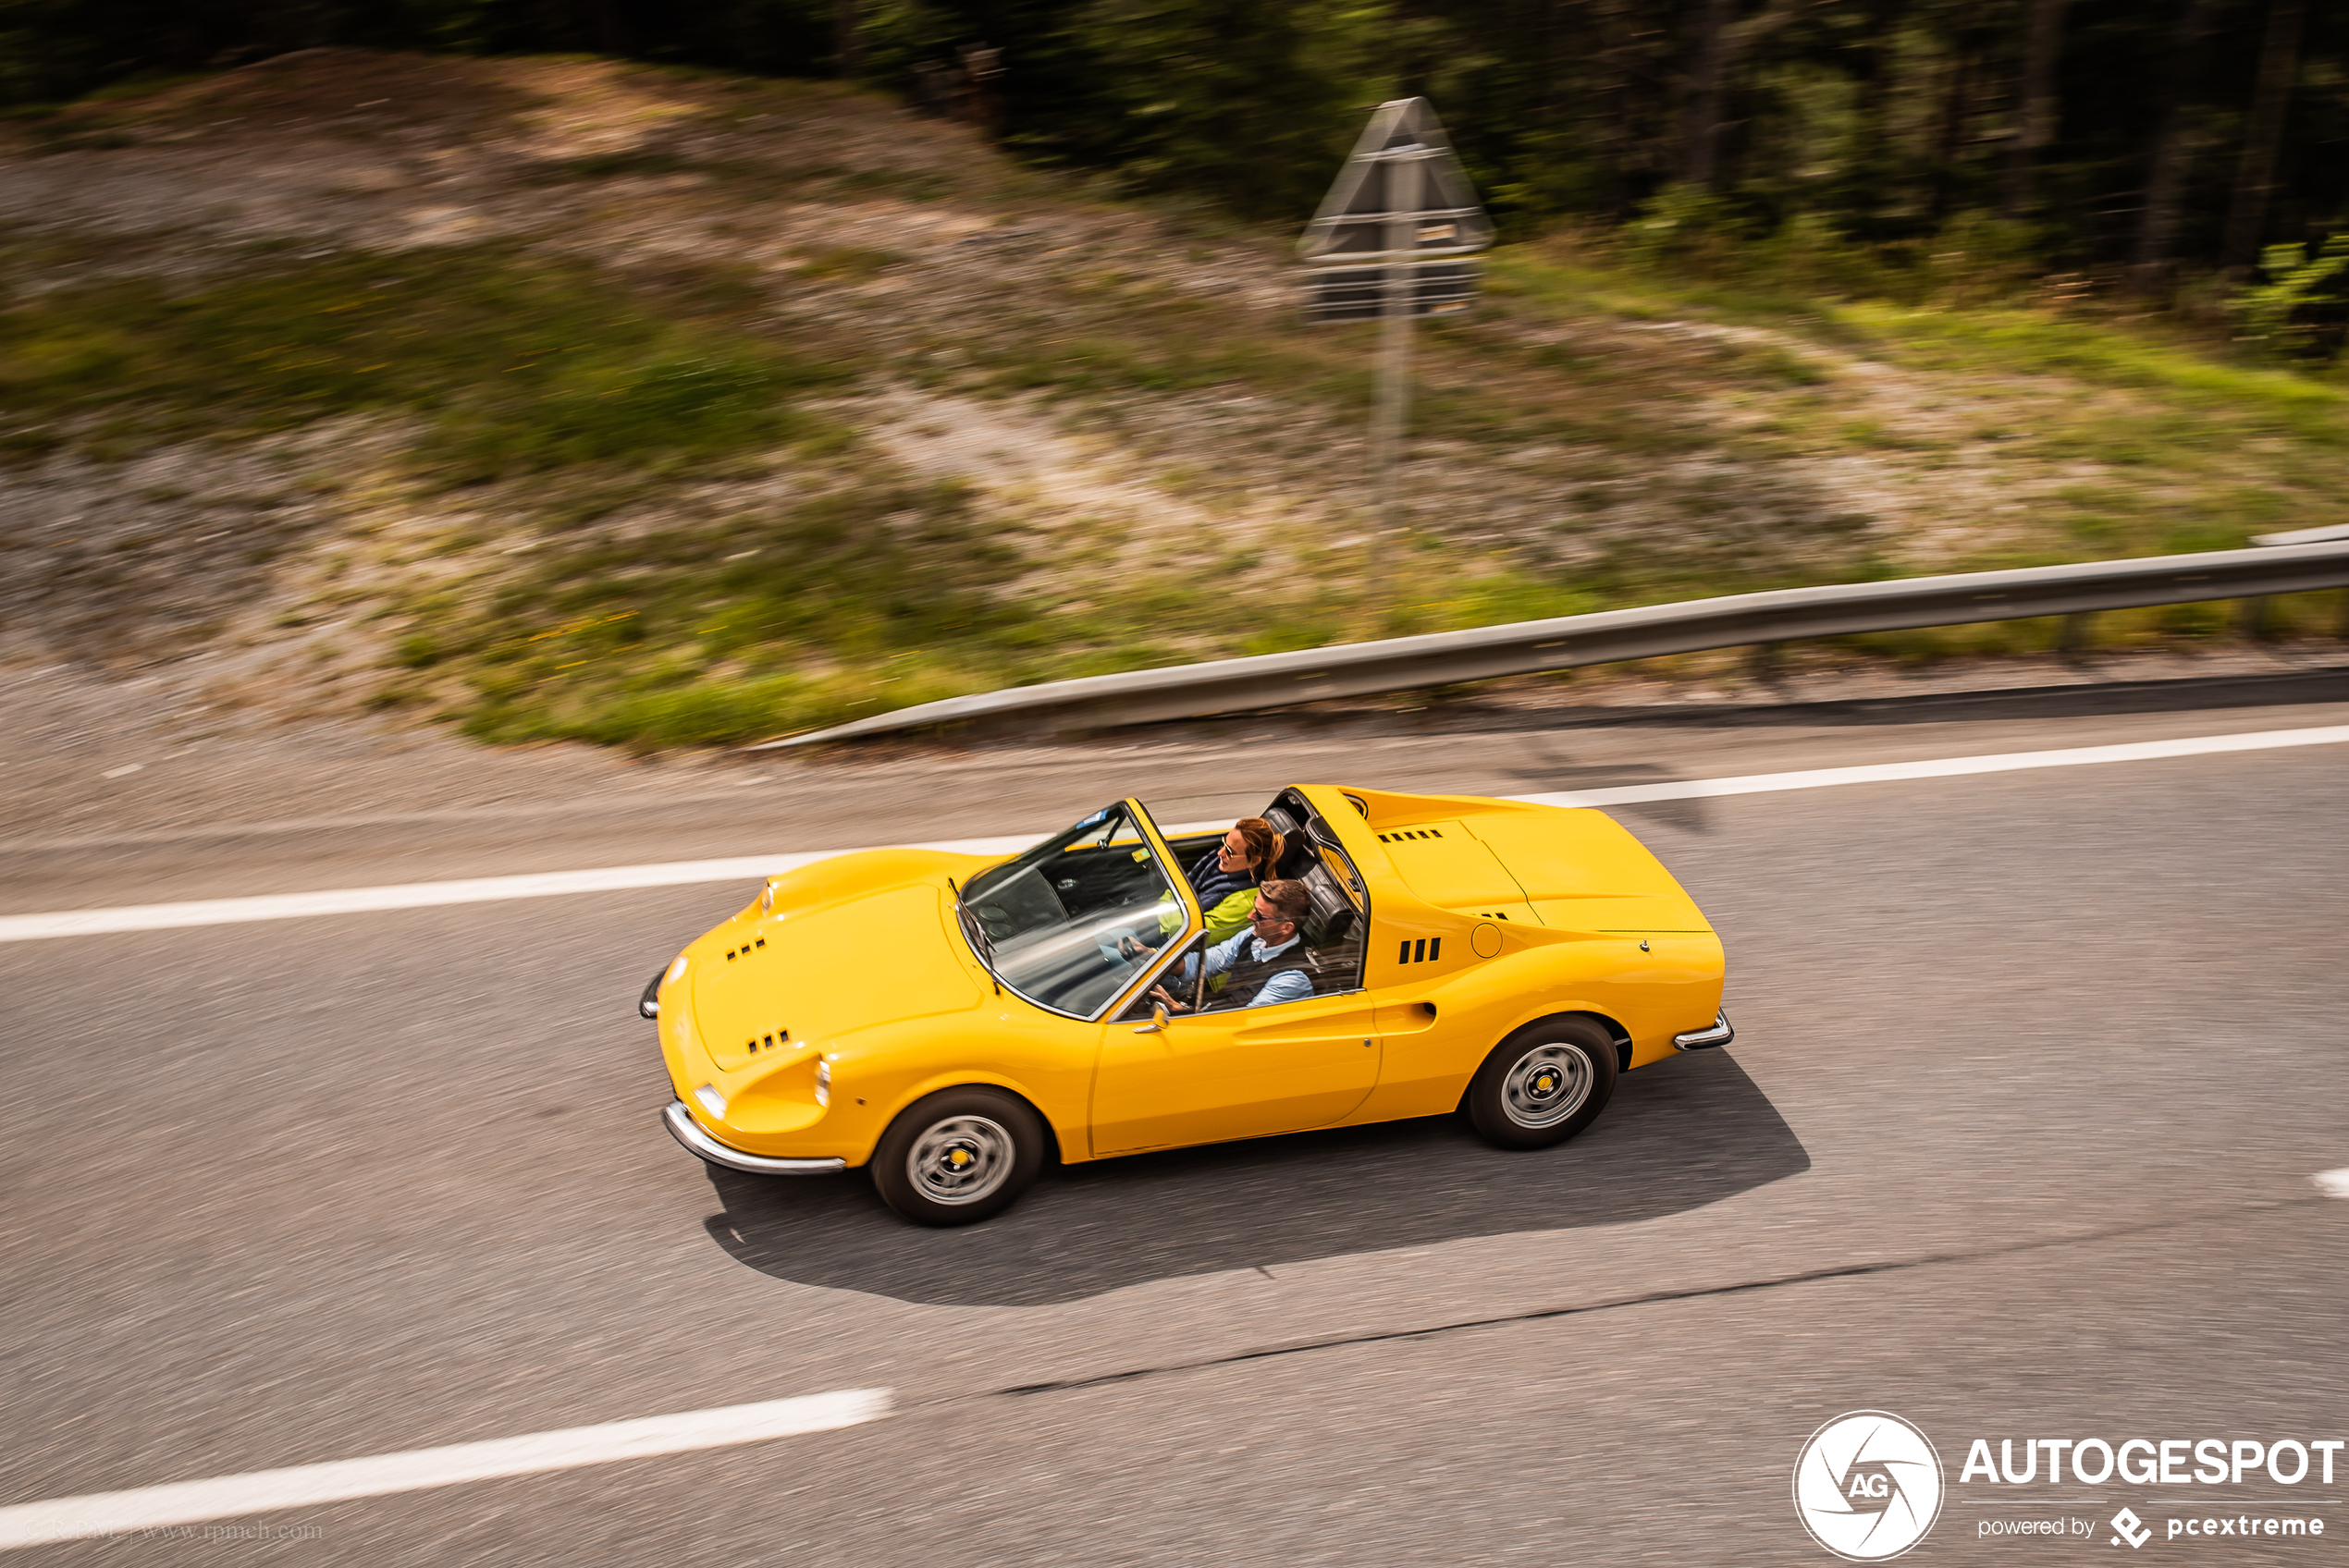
(1179,979)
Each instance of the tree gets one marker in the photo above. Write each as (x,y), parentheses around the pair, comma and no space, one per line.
(1720,41)
(2172,153)
(2036,104)
(848,39)
(2256,171)
(1254,104)
(1700,120)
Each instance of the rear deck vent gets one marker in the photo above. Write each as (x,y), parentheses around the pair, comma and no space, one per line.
(1411,833)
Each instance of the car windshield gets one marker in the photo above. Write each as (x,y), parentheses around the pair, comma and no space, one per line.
(1068,923)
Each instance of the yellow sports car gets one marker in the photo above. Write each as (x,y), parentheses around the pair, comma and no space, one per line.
(955,1021)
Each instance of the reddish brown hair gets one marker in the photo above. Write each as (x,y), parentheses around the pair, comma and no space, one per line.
(1263,845)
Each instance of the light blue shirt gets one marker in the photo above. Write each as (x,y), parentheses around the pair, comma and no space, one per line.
(1288,985)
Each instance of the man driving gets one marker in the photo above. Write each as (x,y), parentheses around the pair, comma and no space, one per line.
(1259,966)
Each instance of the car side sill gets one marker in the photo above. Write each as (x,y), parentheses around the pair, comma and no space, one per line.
(688,1132)
(1702,1039)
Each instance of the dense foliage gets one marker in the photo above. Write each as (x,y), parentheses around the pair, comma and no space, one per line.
(2133,142)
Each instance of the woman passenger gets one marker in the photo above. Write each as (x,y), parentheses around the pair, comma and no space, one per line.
(1225,878)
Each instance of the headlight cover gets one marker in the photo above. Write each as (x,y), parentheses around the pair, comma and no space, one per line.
(648,1005)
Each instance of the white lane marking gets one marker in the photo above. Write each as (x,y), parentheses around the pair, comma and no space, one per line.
(425,895)
(303,1486)
(421,895)
(1944,767)
(2332,1184)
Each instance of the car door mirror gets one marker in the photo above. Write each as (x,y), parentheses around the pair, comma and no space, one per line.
(1159,1016)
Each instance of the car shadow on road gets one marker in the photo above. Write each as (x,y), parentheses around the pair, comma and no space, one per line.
(1679,1135)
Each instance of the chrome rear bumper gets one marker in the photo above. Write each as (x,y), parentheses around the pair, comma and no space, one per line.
(1701,1039)
(688,1132)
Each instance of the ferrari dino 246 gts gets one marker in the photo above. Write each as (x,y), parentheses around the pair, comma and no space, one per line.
(953,1021)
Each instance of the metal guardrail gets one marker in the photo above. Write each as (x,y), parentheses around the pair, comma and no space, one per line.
(1398,664)
(2305,535)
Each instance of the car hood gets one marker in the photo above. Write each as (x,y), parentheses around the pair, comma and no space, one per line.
(839,953)
(1582,871)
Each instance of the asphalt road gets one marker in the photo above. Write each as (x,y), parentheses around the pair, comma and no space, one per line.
(2033,1072)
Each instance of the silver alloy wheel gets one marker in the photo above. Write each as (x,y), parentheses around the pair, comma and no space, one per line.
(961,1159)
(1547,1085)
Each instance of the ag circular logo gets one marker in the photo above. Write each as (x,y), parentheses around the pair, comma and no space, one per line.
(1867,1485)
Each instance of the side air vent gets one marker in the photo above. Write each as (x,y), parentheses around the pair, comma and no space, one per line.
(1427,950)
(1411,833)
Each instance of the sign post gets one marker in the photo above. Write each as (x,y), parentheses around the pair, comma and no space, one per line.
(1391,240)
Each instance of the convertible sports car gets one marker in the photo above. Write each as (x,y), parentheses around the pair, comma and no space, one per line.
(953,1021)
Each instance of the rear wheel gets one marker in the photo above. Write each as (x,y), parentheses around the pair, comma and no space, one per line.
(958,1155)
(1543,1083)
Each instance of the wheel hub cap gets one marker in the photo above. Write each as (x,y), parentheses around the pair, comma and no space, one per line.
(960,1159)
(1547,1085)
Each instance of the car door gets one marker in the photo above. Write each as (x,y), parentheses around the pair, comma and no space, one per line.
(1202,1078)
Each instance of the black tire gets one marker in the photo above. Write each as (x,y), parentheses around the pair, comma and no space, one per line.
(914,1165)
(1543,1083)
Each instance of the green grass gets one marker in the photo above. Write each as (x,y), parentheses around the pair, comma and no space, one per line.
(2013,342)
(852,263)
(704,632)
(513,363)
(880,594)
(2197,445)
(1470,386)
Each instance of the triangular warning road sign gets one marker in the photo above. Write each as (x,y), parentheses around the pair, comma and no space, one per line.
(1354,216)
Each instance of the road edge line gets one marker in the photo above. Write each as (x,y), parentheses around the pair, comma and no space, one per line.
(102,1514)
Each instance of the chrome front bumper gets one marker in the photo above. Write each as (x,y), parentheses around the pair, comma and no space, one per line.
(688,1132)
(1702,1039)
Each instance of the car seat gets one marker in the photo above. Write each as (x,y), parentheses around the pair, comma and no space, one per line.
(1332,932)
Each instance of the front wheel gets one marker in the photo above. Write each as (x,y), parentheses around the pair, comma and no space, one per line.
(958,1155)
(1543,1083)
